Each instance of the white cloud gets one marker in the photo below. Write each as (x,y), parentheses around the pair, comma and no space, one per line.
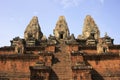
(69,3)
(72,3)
(102,1)
(35,13)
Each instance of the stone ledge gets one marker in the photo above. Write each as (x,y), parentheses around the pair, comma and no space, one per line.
(103,56)
(81,67)
(14,75)
(18,56)
(40,67)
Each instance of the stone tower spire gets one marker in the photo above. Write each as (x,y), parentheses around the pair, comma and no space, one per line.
(61,30)
(90,28)
(33,30)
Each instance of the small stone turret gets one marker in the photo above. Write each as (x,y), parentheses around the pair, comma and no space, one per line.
(108,40)
(33,30)
(88,28)
(61,30)
(19,47)
(102,46)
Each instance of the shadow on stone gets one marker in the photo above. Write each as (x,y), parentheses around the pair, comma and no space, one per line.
(57,49)
(4,79)
(53,76)
(55,60)
(96,76)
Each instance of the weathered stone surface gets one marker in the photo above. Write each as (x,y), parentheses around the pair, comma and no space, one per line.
(44,38)
(91,40)
(102,47)
(88,28)
(60,57)
(19,47)
(33,30)
(108,40)
(61,30)
(15,41)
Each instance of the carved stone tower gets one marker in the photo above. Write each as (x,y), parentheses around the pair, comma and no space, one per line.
(33,30)
(61,30)
(90,28)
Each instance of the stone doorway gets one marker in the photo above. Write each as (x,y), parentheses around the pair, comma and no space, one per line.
(61,36)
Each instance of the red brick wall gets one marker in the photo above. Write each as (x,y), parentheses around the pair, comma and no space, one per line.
(90,51)
(76,59)
(16,65)
(81,74)
(16,69)
(71,48)
(50,48)
(106,67)
(7,52)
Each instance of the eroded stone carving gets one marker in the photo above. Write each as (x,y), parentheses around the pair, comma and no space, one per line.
(72,37)
(33,30)
(108,39)
(89,26)
(51,39)
(102,47)
(19,47)
(15,40)
(61,30)
(44,38)
(91,39)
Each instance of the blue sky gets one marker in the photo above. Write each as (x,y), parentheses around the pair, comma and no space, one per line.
(16,14)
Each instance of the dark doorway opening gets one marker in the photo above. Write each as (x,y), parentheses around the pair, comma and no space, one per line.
(93,35)
(61,36)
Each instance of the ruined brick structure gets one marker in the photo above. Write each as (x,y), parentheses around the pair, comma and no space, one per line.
(61,56)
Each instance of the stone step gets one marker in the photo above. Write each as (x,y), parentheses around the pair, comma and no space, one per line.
(62,69)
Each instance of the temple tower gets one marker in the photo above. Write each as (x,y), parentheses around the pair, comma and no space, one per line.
(33,30)
(89,29)
(61,30)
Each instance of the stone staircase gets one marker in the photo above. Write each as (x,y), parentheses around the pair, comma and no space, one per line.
(62,66)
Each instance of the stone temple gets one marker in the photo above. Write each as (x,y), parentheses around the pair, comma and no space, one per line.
(61,56)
